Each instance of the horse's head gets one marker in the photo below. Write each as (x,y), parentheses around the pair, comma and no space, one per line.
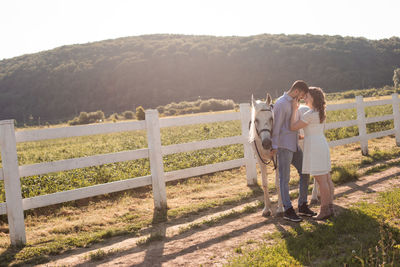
(262,119)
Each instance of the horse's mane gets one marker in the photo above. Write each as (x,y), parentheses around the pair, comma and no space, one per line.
(252,130)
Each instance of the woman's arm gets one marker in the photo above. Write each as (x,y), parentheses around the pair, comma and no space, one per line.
(296,125)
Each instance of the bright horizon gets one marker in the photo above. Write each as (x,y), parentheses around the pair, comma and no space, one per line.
(33,26)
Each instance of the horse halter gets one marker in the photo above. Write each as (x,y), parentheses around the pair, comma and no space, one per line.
(264,130)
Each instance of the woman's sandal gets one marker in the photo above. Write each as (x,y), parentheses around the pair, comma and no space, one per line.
(325,213)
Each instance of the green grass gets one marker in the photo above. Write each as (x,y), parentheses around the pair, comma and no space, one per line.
(366,234)
(98,255)
(344,173)
(153,237)
(39,253)
(382,167)
(379,155)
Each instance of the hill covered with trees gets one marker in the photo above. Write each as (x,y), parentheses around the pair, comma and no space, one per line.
(153,70)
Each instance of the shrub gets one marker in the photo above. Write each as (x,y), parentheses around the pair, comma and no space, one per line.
(140,115)
(74,121)
(114,116)
(96,116)
(171,111)
(216,105)
(83,118)
(128,114)
(160,109)
(186,107)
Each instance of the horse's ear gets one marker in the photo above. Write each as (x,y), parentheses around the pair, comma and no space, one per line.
(269,99)
(252,101)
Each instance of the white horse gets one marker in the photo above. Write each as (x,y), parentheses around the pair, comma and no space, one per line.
(260,135)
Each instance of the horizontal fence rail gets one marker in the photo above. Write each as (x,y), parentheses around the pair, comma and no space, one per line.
(340,106)
(339,124)
(85,192)
(378,102)
(208,118)
(180,148)
(196,171)
(76,163)
(81,130)
(10,173)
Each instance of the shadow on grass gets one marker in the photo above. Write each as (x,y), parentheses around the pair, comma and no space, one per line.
(9,255)
(352,238)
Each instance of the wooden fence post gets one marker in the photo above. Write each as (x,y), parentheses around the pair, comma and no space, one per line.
(396,117)
(362,126)
(12,183)
(156,159)
(251,169)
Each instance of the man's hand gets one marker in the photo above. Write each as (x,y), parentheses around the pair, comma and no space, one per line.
(295,104)
(301,137)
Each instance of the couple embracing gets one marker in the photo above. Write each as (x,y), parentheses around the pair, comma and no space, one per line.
(314,159)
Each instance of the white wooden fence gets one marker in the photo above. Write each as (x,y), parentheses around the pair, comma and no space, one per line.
(11,171)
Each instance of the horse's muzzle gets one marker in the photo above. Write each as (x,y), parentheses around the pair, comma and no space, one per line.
(266,143)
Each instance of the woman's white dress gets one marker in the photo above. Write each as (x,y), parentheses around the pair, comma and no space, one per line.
(316,154)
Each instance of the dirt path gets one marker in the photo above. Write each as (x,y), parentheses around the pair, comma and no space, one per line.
(212,246)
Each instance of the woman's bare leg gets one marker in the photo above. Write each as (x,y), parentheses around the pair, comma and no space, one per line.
(326,198)
(324,189)
(331,187)
(332,191)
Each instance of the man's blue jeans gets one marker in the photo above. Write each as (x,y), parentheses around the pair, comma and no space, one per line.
(285,159)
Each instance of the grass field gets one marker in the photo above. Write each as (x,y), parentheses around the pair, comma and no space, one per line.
(52,230)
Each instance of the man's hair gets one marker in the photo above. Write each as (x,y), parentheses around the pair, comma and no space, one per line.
(300,85)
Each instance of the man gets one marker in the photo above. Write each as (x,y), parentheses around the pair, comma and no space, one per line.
(285,144)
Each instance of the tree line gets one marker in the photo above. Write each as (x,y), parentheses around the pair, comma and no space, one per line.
(153,70)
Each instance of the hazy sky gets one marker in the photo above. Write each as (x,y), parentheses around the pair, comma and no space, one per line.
(29,26)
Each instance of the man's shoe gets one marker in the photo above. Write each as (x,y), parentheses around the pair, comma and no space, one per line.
(291,215)
(305,211)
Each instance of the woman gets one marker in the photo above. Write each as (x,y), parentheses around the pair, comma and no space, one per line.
(316,159)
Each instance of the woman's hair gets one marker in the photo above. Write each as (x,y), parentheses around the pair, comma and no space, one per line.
(319,102)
